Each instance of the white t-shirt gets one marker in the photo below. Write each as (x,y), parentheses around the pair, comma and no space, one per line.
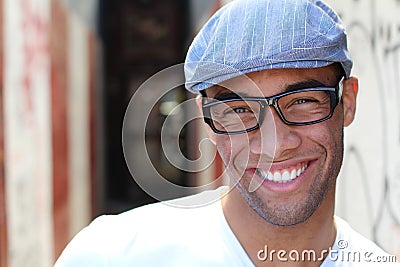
(164,235)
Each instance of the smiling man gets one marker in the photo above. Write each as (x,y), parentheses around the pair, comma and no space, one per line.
(286,138)
(274,85)
(276,89)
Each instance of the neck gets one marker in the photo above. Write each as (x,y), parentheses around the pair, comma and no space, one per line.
(317,233)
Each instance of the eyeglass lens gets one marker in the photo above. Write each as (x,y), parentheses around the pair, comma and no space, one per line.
(298,107)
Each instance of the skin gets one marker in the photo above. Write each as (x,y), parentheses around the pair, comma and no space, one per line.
(298,215)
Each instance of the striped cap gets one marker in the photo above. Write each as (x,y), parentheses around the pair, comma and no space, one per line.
(251,35)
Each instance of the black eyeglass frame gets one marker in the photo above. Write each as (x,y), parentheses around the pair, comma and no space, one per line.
(335,94)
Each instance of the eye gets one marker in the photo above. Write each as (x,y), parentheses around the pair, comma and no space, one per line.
(304,101)
(240,110)
(237,107)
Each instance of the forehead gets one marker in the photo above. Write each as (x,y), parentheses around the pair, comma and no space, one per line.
(270,82)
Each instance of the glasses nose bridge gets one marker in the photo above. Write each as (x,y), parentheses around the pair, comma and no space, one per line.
(269,102)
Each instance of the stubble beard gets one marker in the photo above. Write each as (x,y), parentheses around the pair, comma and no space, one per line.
(293,213)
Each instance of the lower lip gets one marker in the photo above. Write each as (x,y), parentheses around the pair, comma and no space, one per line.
(287,187)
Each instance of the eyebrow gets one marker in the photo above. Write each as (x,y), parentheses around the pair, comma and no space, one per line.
(291,87)
(228,95)
(304,85)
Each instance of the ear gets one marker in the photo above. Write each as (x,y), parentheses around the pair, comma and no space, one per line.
(349,97)
(210,132)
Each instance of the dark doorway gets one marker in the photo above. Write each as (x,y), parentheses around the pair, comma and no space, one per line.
(140,38)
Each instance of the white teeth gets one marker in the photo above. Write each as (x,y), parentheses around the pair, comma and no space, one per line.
(277,177)
(282,176)
(285,176)
(293,174)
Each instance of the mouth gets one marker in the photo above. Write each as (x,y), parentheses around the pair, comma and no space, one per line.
(284,175)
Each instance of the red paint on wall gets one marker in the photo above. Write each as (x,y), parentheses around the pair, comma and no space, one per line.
(59,57)
(35,49)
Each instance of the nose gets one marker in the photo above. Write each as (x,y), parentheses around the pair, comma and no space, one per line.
(274,139)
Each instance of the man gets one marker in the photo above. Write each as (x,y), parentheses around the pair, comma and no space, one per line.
(276,92)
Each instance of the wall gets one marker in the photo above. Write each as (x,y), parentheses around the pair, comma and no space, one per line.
(27,130)
(3,219)
(48,82)
(48,124)
(369,186)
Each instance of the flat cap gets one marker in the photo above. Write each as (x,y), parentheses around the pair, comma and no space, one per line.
(251,35)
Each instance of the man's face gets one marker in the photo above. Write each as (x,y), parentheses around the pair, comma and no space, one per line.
(311,155)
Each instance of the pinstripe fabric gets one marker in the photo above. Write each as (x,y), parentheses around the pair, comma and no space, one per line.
(251,35)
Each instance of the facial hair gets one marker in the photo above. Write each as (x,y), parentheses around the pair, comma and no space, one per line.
(294,213)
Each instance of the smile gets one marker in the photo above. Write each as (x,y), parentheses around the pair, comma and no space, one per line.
(283,175)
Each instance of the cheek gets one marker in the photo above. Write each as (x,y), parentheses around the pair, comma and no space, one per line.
(335,132)
(330,133)
(330,138)
(334,150)
(230,147)
(224,148)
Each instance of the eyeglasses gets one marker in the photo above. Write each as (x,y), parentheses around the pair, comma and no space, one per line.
(245,114)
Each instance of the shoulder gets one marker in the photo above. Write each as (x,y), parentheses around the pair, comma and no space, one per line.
(353,248)
(347,237)
(142,232)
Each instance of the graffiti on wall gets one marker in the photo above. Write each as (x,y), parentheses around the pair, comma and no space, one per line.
(369,184)
(35,50)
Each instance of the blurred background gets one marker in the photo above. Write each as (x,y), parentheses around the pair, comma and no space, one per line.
(68,69)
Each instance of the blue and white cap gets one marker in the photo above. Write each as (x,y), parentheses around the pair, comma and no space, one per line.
(251,35)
